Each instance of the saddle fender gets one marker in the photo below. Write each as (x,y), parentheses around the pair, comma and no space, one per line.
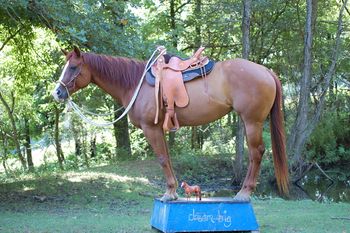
(168,80)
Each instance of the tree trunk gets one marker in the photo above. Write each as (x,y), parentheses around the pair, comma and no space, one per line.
(246,28)
(77,144)
(76,136)
(298,137)
(171,140)
(233,122)
(59,152)
(93,146)
(194,138)
(85,148)
(238,166)
(173,23)
(14,132)
(195,134)
(27,145)
(198,17)
(4,156)
(174,39)
(238,172)
(4,165)
(121,134)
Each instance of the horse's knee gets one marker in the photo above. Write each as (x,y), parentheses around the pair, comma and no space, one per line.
(257,153)
(171,185)
(163,160)
(255,158)
(261,149)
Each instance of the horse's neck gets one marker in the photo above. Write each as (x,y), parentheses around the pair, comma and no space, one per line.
(121,95)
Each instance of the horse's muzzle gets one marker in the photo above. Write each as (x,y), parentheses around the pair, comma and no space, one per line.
(60,93)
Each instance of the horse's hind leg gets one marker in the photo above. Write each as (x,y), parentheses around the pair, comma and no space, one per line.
(156,139)
(256,150)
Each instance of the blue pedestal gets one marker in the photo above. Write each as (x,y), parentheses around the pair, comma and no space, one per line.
(208,215)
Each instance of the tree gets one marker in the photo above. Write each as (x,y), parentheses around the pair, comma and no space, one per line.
(59,152)
(27,145)
(15,138)
(303,107)
(121,133)
(304,124)
(240,125)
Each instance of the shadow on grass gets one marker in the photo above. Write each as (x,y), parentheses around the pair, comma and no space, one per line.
(111,188)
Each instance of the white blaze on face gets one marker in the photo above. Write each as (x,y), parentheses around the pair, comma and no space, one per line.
(64,71)
(54,93)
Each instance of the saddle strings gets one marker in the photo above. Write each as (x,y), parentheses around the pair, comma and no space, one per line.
(79,111)
(204,76)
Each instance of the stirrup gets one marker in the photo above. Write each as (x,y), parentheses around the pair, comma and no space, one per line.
(171,123)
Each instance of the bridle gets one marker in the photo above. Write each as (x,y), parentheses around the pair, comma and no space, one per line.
(73,79)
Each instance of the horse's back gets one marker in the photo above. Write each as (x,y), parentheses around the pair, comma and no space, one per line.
(239,84)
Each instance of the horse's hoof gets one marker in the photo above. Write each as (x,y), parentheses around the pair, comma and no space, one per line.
(242,197)
(169,197)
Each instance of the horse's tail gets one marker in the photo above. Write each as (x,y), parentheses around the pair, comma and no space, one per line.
(278,139)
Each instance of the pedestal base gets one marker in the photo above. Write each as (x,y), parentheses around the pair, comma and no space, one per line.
(208,215)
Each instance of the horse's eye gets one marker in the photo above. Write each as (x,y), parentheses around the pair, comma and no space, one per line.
(73,68)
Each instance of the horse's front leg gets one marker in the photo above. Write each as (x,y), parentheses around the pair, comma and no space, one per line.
(155,137)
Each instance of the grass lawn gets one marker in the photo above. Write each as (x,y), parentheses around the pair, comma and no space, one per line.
(119,198)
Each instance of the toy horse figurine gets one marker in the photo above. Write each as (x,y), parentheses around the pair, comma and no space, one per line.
(192,189)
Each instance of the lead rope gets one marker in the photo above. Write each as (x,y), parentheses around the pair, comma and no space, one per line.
(80,113)
(101,114)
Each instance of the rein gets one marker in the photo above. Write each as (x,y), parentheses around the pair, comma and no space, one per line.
(80,112)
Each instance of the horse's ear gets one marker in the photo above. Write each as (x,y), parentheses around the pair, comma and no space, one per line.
(77,51)
(65,52)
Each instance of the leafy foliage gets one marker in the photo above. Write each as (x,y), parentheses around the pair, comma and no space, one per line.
(32,33)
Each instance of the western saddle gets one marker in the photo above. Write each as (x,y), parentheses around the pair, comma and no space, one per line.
(168,75)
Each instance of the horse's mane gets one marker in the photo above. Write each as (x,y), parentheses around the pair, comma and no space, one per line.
(124,71)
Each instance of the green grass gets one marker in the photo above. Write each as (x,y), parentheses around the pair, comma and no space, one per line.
(278,215)
(119,198)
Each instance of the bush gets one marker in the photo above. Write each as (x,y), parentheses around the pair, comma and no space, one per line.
(197,168)
(329,144)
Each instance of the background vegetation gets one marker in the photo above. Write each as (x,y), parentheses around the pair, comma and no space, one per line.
(58,174)
(316,90)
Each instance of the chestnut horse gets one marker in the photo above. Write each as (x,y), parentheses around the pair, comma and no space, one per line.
(192,189)
(252,90)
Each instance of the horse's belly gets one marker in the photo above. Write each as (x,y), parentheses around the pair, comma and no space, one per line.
(201,114)
(208,102)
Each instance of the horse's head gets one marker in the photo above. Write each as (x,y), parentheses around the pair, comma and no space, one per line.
(75,75)
(183,184)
